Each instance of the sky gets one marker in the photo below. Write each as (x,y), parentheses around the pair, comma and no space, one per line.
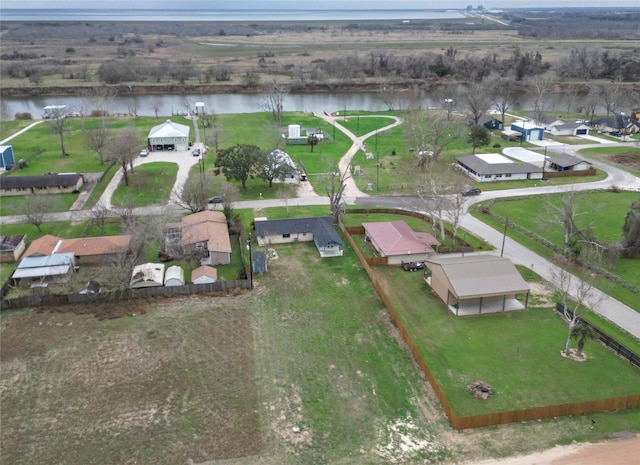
(301,4)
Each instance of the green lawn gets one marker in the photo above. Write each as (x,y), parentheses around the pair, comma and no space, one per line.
(517,353)
(149,184)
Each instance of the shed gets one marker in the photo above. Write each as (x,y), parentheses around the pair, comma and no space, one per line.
(147,275)
(54,111)
(174,276)
(169,136)
(204,274)
(477,284)
(12,247)
(528,130)
(7,159)
(199,108)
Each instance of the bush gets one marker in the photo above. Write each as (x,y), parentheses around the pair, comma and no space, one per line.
(23,116)
(496,145)
(70,50)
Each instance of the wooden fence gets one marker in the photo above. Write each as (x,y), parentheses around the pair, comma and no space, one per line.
(41,300)
(568,174)
(491,419)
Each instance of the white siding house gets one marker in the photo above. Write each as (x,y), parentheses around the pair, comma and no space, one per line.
(496,167)
(169,136)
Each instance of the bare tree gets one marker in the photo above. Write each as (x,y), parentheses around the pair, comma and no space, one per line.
(286,191)
(194,194)
(123,149)
(96,139)
(576,296)
(429,133)
(157,104)
(540,87)
(564,214)
(36,206)
(99,214)
(125,209)
(501,92)
(59,126)
(610,96)
(477,100)
(273,100)
(334,185)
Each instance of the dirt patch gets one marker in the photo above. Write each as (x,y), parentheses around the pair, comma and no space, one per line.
(628,159)
(171,384)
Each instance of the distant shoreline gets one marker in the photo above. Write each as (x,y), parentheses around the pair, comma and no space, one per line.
(319,14)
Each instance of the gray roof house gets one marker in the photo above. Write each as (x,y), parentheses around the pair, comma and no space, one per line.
(41,184)
(495,167)
(569,129)
(566,162)
(616,123)
(320,230)
(476,284)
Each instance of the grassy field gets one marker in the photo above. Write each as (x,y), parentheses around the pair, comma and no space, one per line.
(603,211)
(307,368)
(149,184)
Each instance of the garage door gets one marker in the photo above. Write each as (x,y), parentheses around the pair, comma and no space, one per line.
(581,132)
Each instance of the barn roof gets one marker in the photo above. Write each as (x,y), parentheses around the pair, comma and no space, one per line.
(480,275)
(169,129)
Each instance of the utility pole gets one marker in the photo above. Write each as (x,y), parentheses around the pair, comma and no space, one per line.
(504,235)
(250,262)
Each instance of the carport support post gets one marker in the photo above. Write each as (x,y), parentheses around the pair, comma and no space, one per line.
(250,263)
(504,236)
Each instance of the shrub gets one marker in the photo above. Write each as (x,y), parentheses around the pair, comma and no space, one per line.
(23,116)
(70,50)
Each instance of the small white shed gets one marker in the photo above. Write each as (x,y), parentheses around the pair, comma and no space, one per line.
(204,275)
(147,275)
(294,131)
(174,276)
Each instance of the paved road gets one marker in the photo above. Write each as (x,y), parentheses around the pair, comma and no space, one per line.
(611,309)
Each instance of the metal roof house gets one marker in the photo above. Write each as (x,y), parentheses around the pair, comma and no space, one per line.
(528,130)
(7,159)
(320,230)
(495,167)
(169,136)
(477,284)
(38,270)
(398,242)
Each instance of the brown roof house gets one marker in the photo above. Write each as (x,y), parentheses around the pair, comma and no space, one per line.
(477,284)
(87,250)
(11,247)
(204,234)
(398,242)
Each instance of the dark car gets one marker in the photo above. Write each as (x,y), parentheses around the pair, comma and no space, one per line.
(216,199)
(196,152)
(471,191)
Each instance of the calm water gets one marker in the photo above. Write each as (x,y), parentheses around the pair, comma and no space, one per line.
(225,14)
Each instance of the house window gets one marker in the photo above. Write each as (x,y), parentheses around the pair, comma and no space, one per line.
(487,176)
(498,175)
(20,189)
(200,245)
(507,175)
(286,235)
(42,188)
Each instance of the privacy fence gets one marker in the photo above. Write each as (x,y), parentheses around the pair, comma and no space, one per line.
(477,421)
(41,300)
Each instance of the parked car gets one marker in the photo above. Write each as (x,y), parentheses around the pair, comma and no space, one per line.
(216,199)
(144,152)
(412,266)
(196,152)
(471,191)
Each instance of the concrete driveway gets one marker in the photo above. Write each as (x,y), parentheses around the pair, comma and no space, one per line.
(183,159)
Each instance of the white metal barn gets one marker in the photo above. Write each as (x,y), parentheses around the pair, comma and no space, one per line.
(169,136)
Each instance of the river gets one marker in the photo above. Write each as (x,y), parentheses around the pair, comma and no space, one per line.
(169,104)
